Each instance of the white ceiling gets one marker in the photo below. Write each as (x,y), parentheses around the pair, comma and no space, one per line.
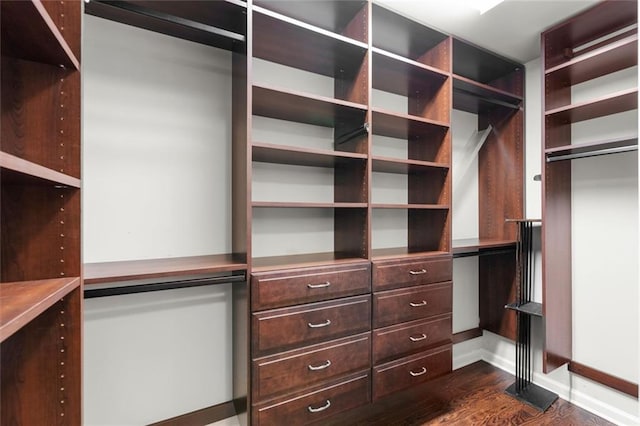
(512,28)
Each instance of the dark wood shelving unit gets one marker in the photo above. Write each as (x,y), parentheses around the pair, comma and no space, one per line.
(613,103)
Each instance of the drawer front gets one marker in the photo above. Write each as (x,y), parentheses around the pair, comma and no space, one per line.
(285,288)
(286,328)
(310,365)
(394,274)
(395,306)
(316,405)
(410,371)
(415,336)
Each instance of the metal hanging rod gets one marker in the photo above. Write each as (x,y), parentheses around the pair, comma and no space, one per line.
(360,130)
(606,151)
(167,285)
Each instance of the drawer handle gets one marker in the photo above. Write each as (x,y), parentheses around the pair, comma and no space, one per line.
(419,373)
(322,324)
(417,305)
(320,367)
(317,410)
(322,285)
(420,272)
(417,339)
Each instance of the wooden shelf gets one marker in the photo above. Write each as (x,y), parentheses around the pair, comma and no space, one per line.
(331,15)
(480,65)
(128,270)
(612,57)
(261,264)
(21,302)
(591,148)
(15,169)
(221,24)
(476,245)
(529,308)
(402,252)
(28,32)
(301,107)
(403,126)
(324,52)
(280,154)
(395,74)
(411,206)
(471,96)
(614,103)
(399,166)
(303,205)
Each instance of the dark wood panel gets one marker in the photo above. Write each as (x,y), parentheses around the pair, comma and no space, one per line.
(302,285)
(284,328)
(401,166)
(478,64)
(429,230)
(463,336)
(292,370)
(280,154)
(387,275)
(17,170)
(67,17)
(410,371)
(404,126)
(316,404)
(350,237)
(204,416)
(603,378)
(407,338)
(614,103)
(241,156)
(406,304)
(497,281)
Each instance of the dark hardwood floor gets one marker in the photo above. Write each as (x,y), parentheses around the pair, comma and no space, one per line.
(473,395)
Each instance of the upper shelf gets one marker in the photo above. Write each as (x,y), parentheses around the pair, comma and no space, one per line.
(28,32)
(614,103)
(296,44)
(471,96)
(305,108)
(21,302)
(128,270)
(280,154)
(15,169)
(480,65)
(395,74)
(611,57)
(220,23)
(404,126)
(338,16)
(394,165)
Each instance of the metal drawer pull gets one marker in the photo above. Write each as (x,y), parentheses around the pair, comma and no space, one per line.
(322,324)
(323,285)
(419,373)
(417,339)
(415,305)
(420,272)
(317,410)
(320,367)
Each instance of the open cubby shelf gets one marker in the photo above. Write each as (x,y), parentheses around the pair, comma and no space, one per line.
(403,126)
(624,100)
(480,65)
(281,154)
(395,74)
(393,165)
(128,270)
(23,301)
(15,169)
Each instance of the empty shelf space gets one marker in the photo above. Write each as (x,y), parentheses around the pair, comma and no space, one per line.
(410,206)
(529,308)
(480,65)
(612,146)
(23,301)
(128,270)
(393,165)
(271,153)
(303,205)
(220,24)
(261,264)
(28,32)
(290,42)
(615,56)
(470,88)
(403,126)
(395,74)
(20,170)
(304,108)
(474,246)
(402,252)
(606,105)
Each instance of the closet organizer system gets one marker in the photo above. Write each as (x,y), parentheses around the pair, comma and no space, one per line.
(592,44)
(314,334)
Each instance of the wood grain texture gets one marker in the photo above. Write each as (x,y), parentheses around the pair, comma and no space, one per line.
(497,281)
(411,303)
(392,274)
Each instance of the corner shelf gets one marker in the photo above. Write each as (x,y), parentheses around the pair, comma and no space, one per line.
(624,100)
(15,169)
(25,300)
(280,154)
(103,272)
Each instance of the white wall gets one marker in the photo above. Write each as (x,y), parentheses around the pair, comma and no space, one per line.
(156,116)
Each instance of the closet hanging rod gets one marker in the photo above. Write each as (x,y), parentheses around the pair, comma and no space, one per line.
(606,151)
(360,130)
(165,285)
(172,19)
(487,99)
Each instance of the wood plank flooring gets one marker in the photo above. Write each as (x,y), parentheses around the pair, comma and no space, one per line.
(473,395)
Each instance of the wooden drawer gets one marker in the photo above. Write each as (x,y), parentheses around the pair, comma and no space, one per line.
(291,287)
(406,304)
(410,337)
(316,405)
(286,328)
(313,364)
(394,274)
(410,371)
